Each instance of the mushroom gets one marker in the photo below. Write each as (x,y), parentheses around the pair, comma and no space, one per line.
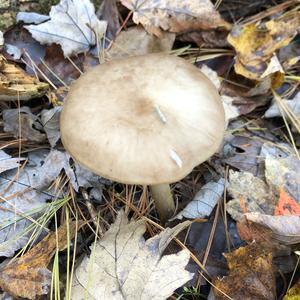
(145,120)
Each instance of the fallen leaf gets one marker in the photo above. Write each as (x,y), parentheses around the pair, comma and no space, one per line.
(31,17)
(73,25)
(122,262)
(108,11)
(254,192)
(285,229)
(245,153)
(206,38)
(50,122)
(28,276)
(256,43)
(22,124)
(20,204)
(286,205)
(246,102)
(204,201)
(283,172)
(30,49)
(136,41)
(251,232)
(251,275)
(7,162)
(199,236)
(231,111)
(15,84)
(294,292)
(55,162)
(293,104)
(13,51)
(54,62)
(175,15)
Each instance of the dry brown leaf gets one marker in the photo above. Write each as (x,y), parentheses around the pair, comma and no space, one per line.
(15,84)
(285,229)
(256,44)
(136,41)
(251,276)
(22,123)
(253,191)
(125,266)
(28,276)
(175,15)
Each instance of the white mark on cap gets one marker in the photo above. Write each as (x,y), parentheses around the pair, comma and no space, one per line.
(162,117)
(176,158)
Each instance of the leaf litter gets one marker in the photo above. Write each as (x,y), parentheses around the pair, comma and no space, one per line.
(249,191)
(73,25)
(130,267)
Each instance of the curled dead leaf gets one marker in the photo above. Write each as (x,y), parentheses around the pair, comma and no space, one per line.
(175,15)
(255,44)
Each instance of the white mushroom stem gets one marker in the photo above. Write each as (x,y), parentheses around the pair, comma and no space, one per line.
(163,199)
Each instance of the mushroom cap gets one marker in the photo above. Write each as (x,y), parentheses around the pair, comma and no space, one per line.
(142,120)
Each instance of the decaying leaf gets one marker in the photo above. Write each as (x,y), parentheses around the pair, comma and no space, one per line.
(55,162)
(15,84)
(31,17)
(204,201)
(286,205)
(292,104)
(108,11)
(20,204)
(28,276)
(256,44)
(284,173)
(7,162)
(50,122)
(244,154)
(251,275)
(24,194)
(250,194)
(73,25)
(136,41)
(285,229)
(122,262)
(22,124)
(294,292)
(175,15)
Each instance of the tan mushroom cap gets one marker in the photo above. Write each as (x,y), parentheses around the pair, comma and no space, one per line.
(142,120)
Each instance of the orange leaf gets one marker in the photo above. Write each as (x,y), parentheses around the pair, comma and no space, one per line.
(286,205)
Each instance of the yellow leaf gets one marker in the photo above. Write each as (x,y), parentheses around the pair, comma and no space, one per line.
(255,44)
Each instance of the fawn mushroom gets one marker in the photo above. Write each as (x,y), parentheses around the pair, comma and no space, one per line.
(145,120)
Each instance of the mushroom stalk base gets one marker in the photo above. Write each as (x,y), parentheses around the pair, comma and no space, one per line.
(163,199)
